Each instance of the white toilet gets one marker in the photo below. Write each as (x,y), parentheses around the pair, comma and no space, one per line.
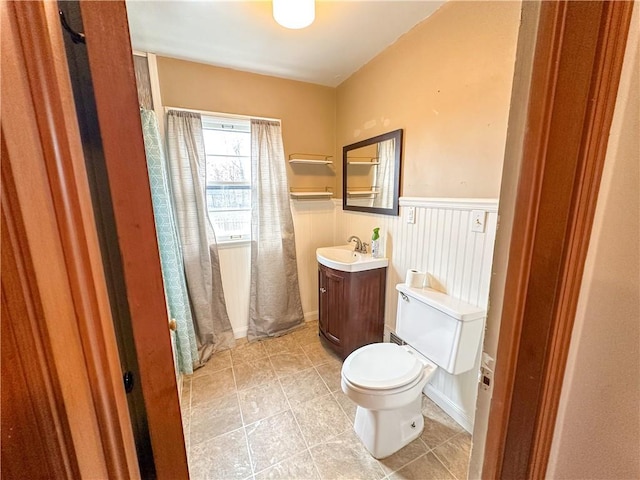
(386,380)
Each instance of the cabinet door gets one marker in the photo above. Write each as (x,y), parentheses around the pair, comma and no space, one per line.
(331,302)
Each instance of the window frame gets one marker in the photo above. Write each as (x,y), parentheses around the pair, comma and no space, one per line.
(227,123)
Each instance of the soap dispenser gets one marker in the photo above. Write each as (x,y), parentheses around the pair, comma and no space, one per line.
(375,243)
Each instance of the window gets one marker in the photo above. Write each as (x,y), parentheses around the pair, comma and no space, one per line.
(227,144)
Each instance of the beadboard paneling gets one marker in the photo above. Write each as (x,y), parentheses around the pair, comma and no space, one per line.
(314,224)
(457,260)
(235,269)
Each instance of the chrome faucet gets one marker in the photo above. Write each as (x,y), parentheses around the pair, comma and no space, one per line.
(361,247)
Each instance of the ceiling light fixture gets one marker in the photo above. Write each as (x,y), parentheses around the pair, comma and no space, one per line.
(294,14)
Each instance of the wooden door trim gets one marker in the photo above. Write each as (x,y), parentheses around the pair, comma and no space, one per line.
(540,303)
(111,65)
(77,319)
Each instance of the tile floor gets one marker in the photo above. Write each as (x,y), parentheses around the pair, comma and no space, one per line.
(274,410)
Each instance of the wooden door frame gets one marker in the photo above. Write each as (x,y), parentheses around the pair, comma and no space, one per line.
(55,276)
(111,64)
(576,71)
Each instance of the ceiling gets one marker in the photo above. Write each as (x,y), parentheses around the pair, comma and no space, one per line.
(243,35)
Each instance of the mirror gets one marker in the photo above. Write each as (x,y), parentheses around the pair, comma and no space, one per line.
(371,179)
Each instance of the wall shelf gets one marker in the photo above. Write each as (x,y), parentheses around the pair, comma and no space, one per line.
(307,195)
(363,161)
(310,159)
(361,193)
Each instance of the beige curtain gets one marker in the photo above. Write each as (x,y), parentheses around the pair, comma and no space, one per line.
(187,163)
(274,306)
(384,174)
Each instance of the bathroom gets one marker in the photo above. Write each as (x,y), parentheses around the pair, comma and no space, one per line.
(452,158)
(66,339)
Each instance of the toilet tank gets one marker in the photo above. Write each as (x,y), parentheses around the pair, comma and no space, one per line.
(444,329)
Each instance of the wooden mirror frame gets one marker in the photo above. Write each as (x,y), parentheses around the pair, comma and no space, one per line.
(397,135)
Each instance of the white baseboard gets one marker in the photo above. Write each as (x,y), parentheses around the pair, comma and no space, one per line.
(180,383)
(450,408)
(311,316)
(240,332)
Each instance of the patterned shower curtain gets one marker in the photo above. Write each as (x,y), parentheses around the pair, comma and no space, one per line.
(169,245)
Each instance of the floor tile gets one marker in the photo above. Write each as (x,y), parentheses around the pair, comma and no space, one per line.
(218,361)
(438,426)
(344,457)
(321,419)
(273,440)
(256,383)
(283,344)
(298,467)
(254,373)
(348,406)
(287,363)
(306,335)
(207,387)
(225,457)
(302,386)
(426,466)
(403,456)
(248,352)
(216,417)
(331,374)
(262,401)
(454,455)
(318,354)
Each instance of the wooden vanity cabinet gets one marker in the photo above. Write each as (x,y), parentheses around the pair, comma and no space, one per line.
(351,308)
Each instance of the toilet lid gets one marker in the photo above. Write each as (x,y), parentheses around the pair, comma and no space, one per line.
(381,366)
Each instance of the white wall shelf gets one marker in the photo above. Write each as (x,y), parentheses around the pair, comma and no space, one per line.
(361,193)
(364,163)
(310,161)
(307,195)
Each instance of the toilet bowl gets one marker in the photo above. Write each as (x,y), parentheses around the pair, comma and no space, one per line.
(386,380)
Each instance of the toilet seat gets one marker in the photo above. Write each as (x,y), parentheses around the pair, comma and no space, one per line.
(382,366)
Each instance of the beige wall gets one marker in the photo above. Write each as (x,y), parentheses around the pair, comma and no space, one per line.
(511,171)
(598,427)
(307,111)
(447,83)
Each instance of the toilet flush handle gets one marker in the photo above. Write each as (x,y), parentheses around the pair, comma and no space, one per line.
(404,296)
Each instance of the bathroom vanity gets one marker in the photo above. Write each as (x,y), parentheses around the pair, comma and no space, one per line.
(351,307)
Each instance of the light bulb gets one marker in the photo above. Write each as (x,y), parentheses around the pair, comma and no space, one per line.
(294,14)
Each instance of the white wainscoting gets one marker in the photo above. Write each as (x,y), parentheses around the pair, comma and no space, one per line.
(314,224)
(458,262)
(235,269)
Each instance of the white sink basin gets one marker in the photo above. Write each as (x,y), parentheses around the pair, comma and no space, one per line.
(345,259)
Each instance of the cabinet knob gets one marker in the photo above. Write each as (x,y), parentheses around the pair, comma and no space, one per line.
(323,290)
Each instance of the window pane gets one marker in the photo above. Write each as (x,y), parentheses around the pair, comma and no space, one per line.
(228,169)
(225,197)
(230,225)
(228,176)
(223,142)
